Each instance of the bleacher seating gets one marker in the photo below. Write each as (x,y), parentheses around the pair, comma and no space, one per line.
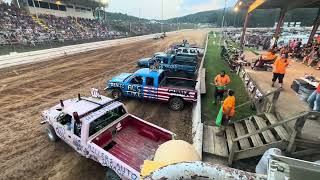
(17,26)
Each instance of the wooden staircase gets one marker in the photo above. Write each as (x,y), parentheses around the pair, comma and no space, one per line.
(235,146)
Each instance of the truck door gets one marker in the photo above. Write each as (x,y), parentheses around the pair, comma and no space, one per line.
(63,127)
(134,87)
(163,63)
(150,91)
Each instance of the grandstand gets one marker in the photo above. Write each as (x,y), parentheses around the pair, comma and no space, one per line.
(31,23)
(39,24)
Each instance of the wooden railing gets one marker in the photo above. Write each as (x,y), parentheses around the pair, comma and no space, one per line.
(301,119)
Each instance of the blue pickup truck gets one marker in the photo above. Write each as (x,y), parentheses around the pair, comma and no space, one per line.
(154,85)
(171,63)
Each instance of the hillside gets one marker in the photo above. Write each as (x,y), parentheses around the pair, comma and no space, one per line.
(259,18)
(124,17)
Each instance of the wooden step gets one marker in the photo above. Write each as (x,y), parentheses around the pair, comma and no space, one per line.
(212,143)
(208,144)
(267,135)
(283,134)
(244,143)
(203,81)
(230,133)
(256,140)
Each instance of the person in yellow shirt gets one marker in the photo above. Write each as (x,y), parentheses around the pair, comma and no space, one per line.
(279,68)
(220,81)
(228,109)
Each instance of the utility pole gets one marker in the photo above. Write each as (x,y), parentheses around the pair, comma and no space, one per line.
(162,17)
(178,28)
(139,14)
(222,23)
(224,12)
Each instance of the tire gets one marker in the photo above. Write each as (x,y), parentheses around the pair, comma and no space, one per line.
(176,104)
(116,93)
(51,133)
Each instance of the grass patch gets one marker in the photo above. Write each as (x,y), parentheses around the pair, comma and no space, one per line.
(215,64)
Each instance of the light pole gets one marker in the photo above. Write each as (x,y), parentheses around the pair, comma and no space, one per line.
(224,12)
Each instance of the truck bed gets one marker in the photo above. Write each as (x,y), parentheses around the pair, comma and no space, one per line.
(134,143)
(177,82)
(133,148)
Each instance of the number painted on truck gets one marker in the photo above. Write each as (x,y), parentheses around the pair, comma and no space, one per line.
(116,85)
(134,90)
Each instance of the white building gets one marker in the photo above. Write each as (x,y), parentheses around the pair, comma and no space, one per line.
(63,8)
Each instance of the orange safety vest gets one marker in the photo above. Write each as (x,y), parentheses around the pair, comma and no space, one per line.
(229,102)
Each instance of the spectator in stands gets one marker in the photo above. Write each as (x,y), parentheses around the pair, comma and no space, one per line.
(311,56)
(314,100)
(279,68)
(228,109)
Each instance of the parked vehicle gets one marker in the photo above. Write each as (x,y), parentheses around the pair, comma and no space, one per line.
(187,66)
(100,128)
(155,85)
(190,51)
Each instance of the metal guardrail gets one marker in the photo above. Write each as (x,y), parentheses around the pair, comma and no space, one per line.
(197,125)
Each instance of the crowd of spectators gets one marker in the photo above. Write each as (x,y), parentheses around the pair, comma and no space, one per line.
(18,27)
(258,39)
(309,53)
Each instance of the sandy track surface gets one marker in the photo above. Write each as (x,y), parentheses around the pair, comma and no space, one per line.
(26,90)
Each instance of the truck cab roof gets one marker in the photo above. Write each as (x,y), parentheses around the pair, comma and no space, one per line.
(149,72)
(88,108)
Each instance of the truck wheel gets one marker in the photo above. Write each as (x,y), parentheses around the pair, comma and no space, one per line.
(51,133)
(176,104)
(110,174)
(116,93)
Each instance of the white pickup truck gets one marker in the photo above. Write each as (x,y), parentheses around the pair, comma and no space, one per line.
(100,128)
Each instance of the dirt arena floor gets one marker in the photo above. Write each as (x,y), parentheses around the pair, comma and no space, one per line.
(27,90)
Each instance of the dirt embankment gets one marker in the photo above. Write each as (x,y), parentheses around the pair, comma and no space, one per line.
(26,90)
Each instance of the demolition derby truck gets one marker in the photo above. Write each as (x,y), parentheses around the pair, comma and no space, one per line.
(153,84)
(100,128)
(185,65)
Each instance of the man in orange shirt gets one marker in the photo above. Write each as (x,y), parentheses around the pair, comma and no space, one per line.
(221,81)
(279,69)
(228,109)
(265,58)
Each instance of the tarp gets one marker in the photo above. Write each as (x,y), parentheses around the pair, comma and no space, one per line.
(219,117)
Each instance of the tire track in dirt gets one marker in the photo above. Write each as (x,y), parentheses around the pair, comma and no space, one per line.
(25,152)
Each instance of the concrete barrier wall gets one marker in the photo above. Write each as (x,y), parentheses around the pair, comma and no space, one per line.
(49,54)
(197,125)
